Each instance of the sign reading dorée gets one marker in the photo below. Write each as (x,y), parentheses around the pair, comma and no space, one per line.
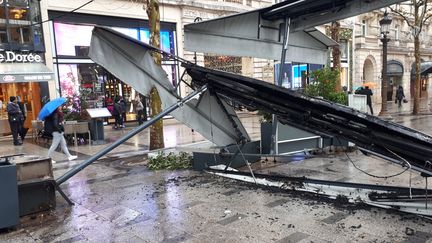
(10,56)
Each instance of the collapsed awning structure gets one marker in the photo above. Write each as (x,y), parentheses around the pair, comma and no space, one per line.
(394,142)
(263,33)
(130,61)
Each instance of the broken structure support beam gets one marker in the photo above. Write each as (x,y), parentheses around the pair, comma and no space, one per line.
(132,133)
(388,139)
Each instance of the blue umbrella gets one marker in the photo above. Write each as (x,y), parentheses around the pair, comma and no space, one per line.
(50,107)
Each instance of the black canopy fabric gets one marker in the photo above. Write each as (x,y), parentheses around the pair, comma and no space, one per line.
(321,116)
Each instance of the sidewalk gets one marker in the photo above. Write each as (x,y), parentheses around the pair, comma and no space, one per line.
(406,108)
(118,200)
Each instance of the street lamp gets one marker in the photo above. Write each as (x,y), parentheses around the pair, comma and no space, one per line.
(385,26)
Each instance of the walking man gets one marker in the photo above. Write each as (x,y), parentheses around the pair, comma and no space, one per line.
(53,126)
(368,93)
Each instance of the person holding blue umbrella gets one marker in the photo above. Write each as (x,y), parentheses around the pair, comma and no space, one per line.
(51,113)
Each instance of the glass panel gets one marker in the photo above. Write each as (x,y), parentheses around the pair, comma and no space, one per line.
(19,14)
(21,3)
(35,14)
(2,12)
(71,39)
(128,31)
(83,79)
(15,34)
(167,39)
(69,83)
(26,35)
(145,35)
(20,35)
(37,35)
(3,35)
(344,49)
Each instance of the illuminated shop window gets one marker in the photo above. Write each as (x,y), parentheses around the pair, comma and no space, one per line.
(20,27)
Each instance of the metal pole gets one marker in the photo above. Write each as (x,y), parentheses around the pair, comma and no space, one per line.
(132,133)
(426,202)
(287,24)
(383,112)
(274,139)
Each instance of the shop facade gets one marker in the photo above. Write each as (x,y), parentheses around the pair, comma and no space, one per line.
(79,76)
(23,70)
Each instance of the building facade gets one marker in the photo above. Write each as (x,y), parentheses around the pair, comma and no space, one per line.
(44,48)
(24,70)
(367,64)
(70,39)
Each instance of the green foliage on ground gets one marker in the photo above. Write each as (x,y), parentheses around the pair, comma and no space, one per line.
(323,84)
(170,161)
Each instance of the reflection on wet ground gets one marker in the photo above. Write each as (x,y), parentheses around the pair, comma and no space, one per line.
(118,200)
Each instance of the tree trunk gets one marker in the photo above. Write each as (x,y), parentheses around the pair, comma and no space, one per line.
(334,30)
(156,130)
(417,21)
(416,107)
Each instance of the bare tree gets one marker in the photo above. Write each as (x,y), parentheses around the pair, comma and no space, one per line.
(156,130)
(416,14)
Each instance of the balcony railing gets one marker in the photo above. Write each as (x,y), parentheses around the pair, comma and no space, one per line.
(234,1)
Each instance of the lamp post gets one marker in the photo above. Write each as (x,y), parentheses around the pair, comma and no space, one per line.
(385,26)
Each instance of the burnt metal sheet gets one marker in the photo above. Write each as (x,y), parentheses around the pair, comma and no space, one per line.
(396,142)
(404,199)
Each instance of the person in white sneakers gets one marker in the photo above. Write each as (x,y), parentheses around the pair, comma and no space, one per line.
(53,125)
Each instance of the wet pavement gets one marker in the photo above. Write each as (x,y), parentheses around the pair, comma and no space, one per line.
(117,199)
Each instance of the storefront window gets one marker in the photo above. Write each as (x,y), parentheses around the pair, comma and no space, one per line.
(22,3)
(76,78)
(20,35)
(19,14)
(3,35)
(19,25)
(71,39)
(2,13)
(128,31)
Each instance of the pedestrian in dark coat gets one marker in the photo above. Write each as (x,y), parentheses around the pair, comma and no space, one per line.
(124,108)
(400,95)
(368,93)
(117,113)
(23,130)
(15,118)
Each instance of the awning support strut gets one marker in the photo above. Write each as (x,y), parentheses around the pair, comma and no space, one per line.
(132,133)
